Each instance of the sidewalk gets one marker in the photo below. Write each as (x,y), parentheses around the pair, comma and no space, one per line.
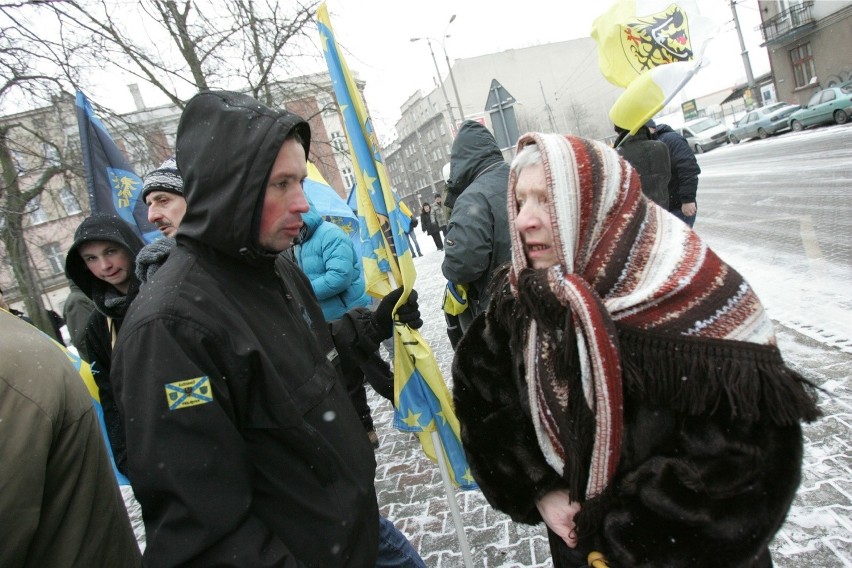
(818,531)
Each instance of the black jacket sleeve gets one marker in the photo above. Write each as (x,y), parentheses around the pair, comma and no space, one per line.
(99,346)
(684,167)
(498,436)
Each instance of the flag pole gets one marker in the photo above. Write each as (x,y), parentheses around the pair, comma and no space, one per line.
(451,499)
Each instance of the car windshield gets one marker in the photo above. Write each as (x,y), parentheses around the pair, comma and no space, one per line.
(773,108)
(703,125)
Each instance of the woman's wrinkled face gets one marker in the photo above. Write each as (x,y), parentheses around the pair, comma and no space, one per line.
(533,220)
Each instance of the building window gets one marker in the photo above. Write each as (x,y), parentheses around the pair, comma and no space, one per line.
(53,253)
(348,177)
(338,142)
(36,213)
(69,201)
(803,64)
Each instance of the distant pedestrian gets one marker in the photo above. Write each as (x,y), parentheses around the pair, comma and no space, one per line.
(77,310)
(683,184)
(411,235)
(624,385)
(428,226)
(13,311)
(651,159)
(439,214)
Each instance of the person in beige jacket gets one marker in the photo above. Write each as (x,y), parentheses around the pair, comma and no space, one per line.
(60,504)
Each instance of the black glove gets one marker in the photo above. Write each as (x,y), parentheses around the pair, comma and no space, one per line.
(408,313)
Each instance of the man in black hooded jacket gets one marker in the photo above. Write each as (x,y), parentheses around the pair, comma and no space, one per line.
(245,448)
(101,262)
(478,234)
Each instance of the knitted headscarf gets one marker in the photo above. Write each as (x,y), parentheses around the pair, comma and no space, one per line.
(621,259)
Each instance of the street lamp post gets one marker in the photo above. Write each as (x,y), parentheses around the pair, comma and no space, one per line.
(450,68)
(443,88)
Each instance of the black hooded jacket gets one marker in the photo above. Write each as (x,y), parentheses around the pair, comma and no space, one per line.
(477,240)
(111,307)
(245,448)
(683,184)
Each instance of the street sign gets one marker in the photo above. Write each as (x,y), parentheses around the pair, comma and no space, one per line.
(503,122)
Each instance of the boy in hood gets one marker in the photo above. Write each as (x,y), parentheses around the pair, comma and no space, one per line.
(246,450)
(101,262)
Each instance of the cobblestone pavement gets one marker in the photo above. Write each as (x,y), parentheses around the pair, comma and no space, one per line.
(818,531)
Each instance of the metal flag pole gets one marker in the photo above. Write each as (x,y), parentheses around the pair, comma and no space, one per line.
(451,499)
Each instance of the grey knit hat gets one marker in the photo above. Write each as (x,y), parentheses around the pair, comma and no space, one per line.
(165,178)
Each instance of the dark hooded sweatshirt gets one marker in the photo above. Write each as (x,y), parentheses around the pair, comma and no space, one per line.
(477,240)
(105,322)
(245,448)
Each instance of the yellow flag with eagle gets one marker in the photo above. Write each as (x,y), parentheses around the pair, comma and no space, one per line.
(653,48)
(422,399)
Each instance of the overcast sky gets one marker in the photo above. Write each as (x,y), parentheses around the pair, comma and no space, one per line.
(394,67)
(375,36)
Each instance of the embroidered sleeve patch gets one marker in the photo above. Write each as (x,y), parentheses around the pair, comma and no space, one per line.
(189,392)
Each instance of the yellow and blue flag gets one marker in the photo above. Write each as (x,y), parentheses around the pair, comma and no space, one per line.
(85,371)
(423,402)
(113,186)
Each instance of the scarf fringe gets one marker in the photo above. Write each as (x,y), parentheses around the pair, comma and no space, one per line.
(698,376)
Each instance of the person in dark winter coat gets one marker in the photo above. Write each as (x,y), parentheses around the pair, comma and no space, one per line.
(428,226)
(60,505)
(478,234)
(683,183)
(624,385)
(244,447)
(77,310)
(327,257)
(101,262)
(650,157)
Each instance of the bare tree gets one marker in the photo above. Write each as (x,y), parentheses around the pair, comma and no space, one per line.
(578,119)
(32,155)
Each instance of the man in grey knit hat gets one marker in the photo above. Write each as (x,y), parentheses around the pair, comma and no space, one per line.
(162,192)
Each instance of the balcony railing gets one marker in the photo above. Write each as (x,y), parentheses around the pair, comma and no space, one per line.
(789,20)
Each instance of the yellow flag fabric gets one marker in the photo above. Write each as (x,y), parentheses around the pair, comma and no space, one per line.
(648,94)
(455,299)
(423,402)
(85,371)
(634,36)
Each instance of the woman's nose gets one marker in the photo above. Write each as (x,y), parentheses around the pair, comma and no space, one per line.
(527,218)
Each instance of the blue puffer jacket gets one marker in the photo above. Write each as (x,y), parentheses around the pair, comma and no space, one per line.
(327,256)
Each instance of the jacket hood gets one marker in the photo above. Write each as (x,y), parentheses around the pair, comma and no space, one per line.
(662,129)
(99,227)
(474,151)
(312,220)
(226,145)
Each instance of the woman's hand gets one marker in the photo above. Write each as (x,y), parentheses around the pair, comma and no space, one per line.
(558,512)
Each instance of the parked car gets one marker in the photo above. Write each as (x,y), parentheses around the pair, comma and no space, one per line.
(763,122)
(704,134)
(828,105)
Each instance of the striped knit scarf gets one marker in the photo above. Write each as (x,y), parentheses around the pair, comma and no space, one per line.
(621,258)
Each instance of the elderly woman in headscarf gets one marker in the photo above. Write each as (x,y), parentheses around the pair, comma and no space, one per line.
(624,385)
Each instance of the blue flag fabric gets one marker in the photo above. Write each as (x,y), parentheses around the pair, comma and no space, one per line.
(423,402)
(113,186)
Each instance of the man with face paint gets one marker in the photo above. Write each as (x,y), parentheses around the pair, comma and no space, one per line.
(624,385)
(244,448)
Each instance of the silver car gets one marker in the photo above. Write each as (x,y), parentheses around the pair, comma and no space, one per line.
(762,122)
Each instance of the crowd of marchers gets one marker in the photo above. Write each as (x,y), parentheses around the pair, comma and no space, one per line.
(614,379)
